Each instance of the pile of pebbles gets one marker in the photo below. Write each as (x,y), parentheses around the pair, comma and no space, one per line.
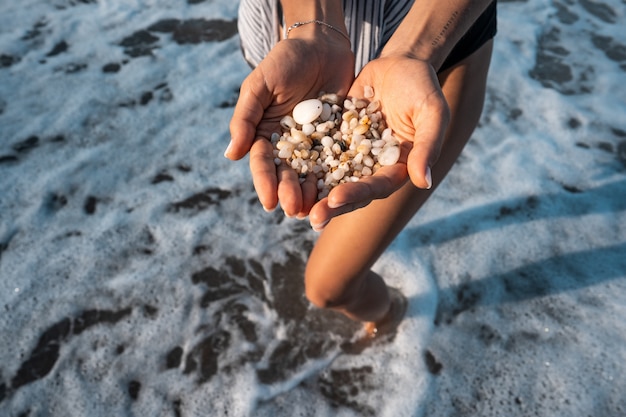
(337,144)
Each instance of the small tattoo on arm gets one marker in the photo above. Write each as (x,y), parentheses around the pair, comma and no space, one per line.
(445,29)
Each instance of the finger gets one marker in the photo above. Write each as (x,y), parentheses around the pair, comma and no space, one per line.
(380,185)
(354,195)
(289,191)
(254,98)
(321,213)
(309,195)
(263,172)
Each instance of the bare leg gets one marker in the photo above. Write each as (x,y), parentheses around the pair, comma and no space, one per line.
(338,274)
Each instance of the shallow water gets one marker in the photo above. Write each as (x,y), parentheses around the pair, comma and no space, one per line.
(140,276)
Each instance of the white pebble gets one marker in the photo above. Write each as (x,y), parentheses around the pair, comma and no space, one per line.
(387,134)
(285,152)
(327,142)
(360,104)
(287,122)
(338,174)
(307,111)
(308,128)
(389,155)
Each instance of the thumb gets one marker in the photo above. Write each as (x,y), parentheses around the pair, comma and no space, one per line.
(430,129)
(254,98)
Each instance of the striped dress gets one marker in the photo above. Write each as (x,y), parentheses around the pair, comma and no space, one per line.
(370,24)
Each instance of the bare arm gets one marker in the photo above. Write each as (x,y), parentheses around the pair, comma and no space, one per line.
(432,28)
(315,58)
(405,81)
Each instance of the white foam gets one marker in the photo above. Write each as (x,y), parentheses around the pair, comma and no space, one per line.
(518,257)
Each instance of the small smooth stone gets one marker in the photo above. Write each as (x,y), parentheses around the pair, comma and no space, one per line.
(308,128)
(287,122)
(307,111)
(360,104)
(389,155)
(364,148)
(360,129)
(373,106)
(368,91)
(330,98)
(326,112)
(298,136)
(285,152)
(338,174)
(327,142)
(324,127)
(387,134)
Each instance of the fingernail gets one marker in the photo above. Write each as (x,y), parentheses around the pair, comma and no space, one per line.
(227,151)
(268,210)
(429,178)
(335,205)
(320,226)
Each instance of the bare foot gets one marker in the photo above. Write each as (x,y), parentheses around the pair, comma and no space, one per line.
(389,323)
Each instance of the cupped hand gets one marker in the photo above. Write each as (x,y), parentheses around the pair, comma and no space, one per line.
(294,70)
(416,110)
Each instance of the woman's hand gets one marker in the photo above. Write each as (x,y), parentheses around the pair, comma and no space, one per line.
(414,107)
(295,69)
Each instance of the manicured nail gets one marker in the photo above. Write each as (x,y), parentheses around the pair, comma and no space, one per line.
(429,178)
(320,226)
(335,205)
(227,151)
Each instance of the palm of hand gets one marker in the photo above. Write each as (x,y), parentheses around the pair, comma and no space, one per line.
(294,71)
(414,107)
(411,99)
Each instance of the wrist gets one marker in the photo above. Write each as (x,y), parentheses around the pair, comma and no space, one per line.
(323,25)
(328,11)
(431,29)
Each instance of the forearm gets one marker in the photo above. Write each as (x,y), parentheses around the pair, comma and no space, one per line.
(431,29)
